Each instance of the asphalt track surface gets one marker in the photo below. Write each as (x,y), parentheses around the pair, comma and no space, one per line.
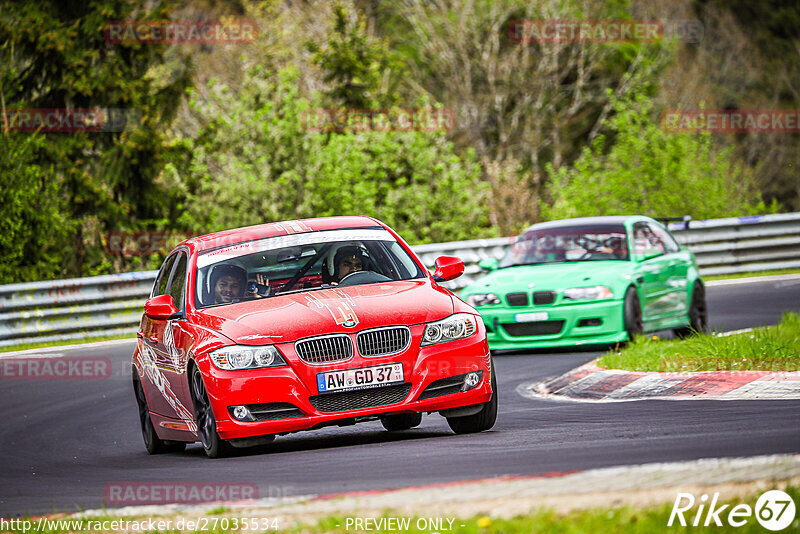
(62,442)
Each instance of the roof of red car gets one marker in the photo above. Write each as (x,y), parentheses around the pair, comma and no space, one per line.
(249,233)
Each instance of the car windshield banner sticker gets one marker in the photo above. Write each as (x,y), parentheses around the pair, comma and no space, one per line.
(292,227)
(294,240)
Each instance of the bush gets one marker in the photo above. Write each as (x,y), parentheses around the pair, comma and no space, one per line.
(647,170)
(259,163)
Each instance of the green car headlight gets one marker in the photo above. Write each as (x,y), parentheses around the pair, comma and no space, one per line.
(588,293)
(456,326)
(238,357)
(483,299)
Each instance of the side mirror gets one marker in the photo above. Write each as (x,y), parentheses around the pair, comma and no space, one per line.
(448,268)
(161,307)
(489,264)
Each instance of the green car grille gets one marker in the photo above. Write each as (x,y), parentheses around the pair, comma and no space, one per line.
(538,328)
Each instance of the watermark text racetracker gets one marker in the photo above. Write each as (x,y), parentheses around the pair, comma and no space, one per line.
(322,120)
(731,121)
(143,243)
(181,31)
(557,31)
(138,493)
(69,120)
(57,368)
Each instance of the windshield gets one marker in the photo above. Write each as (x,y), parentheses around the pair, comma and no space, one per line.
(302,262)
(568,244)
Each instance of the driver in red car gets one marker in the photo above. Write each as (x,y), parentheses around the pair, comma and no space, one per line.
(346,260)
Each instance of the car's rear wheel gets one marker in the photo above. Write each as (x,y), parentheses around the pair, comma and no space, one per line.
(403,421)
(632,314)
(483,420)
(152,442)
(214,446)
(698,313)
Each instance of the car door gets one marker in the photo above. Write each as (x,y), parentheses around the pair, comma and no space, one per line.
(652,269)
(163,345)
(176,341)
(678,262)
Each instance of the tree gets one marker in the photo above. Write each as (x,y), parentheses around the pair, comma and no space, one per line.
(361,71)
(33,226)
(647,170)
(260,163)
(54,56)
(520,105)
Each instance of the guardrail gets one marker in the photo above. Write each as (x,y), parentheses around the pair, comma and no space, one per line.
(112,304)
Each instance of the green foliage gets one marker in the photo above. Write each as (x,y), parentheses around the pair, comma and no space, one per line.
(650,171)
(362,71)
(54,56)
(771,348)
(33,229)
(259,163)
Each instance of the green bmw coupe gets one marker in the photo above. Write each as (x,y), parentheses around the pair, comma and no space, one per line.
(593,280)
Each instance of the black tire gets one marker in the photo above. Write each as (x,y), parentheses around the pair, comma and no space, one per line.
(632,314)
(698,313)
(481,421)
(215,446)
(403,421)
(152,442)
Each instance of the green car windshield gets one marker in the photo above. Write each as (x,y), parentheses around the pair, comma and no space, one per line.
(568,244)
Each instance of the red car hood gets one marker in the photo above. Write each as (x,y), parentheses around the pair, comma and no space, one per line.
(290,317)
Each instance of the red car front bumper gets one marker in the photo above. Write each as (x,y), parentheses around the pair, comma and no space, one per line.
(296,385)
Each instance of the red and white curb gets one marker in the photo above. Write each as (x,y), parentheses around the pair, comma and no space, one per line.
(592,383)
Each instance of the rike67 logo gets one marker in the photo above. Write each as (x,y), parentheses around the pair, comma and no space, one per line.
(774,510)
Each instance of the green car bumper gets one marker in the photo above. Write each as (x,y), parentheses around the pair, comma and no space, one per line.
(575,324)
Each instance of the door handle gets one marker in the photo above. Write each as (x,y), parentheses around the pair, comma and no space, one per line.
(640,280)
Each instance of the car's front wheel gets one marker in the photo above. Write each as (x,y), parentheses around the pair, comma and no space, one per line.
(698,313)
(632,314)
(483,420)
(214,446)
(152,442)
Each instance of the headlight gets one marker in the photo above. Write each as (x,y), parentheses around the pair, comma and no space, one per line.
(588,293)
(238,357)
(456,326)
(483,299)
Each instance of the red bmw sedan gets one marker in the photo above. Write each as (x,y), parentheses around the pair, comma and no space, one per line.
(291,326)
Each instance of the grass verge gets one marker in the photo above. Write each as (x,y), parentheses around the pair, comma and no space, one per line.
(600,520)
(771,348)
(593,521)
(753,274)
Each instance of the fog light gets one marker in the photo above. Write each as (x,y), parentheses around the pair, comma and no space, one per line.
(471,380)
(240,412)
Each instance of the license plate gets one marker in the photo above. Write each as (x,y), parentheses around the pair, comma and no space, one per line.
(361,378)
(530,317)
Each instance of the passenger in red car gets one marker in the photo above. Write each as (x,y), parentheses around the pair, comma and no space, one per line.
(228,283)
